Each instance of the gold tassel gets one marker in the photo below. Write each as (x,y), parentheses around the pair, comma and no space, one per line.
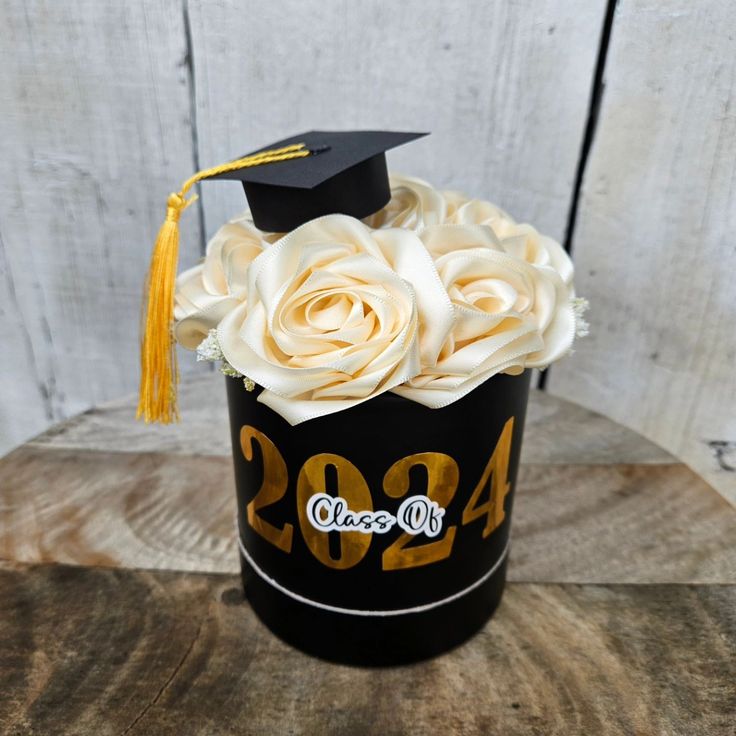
(157,399)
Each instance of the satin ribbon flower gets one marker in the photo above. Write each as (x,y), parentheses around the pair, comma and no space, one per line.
(211,289)
(336,314)
(509,314)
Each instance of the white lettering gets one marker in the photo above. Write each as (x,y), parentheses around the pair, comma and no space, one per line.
(419,515)
(416,515)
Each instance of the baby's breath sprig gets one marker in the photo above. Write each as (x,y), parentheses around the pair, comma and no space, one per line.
(227,370)
(580,307)
(209,349)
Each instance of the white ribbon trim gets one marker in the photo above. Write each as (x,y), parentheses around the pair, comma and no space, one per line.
(362,612)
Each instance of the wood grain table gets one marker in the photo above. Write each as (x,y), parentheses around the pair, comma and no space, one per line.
(121,610)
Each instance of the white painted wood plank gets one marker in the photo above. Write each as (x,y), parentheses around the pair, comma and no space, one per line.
(23,406)
(502,86)
(94,133)
(654,245)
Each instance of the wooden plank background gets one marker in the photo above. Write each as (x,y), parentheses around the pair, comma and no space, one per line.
(483,77)
(655,242)
(107,106)
(95,130)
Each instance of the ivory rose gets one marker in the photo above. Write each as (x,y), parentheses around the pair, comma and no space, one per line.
(461,210)
(520,240)
(525,243)
(336,313)
(208,291)
(509,314)
(414,204)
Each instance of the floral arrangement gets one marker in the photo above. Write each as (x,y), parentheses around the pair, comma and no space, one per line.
(427,298)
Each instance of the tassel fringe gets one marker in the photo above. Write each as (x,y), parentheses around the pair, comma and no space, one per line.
(157,398)
(157,401)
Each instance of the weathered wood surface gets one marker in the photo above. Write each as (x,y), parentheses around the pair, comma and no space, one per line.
(596,503)
(94,133)
(503,87)
(654,244)
(94,651)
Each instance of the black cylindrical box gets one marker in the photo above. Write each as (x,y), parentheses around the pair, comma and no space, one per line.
(378,535)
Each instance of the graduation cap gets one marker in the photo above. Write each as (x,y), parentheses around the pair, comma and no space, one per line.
(287,184)
(345,172)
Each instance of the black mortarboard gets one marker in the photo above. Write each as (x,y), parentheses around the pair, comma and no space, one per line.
(345,172)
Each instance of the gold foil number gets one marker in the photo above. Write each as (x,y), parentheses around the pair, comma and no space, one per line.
(496,471)
(442,481)
(273,487)
(443,475)
(351,486)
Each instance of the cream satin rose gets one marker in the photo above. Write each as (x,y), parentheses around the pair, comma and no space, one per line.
(509,314)
(461,210)
(525,243)
(336,313)
(210,290)
(519,240)
(414,204)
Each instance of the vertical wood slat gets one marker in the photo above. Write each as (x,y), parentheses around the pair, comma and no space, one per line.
(503,87)
(654,244)
(95,132)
